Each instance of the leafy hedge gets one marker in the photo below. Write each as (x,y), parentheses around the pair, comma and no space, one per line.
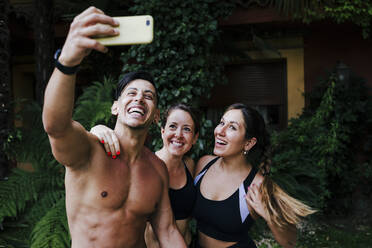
(320,148)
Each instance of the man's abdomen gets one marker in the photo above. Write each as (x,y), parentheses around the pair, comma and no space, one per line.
(116,229)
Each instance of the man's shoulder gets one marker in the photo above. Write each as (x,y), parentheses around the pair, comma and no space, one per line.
(152,159)
(155,162)
(151,156)
(96,152)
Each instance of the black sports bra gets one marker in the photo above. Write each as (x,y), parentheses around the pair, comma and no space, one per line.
(227,220)
(182,200)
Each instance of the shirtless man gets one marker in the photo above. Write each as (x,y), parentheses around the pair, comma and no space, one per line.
(108,201)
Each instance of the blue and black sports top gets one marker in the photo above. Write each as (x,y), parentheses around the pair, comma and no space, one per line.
(182,200)
(227,220)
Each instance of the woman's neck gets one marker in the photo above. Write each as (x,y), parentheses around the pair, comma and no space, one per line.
(172,162)
(234,163)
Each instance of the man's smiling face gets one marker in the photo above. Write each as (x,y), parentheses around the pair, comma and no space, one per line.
(136,106)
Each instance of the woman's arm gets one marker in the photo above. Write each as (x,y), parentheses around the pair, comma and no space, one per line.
(150,237)
(286,235)
(107,137)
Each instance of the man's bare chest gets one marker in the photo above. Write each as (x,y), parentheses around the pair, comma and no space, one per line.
(116,186)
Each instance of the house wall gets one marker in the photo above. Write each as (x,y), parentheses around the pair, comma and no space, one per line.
(295,77)
(326,43)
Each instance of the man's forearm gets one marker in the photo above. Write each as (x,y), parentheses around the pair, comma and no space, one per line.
(58,102)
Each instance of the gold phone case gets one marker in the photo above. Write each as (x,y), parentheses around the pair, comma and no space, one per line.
(133,30)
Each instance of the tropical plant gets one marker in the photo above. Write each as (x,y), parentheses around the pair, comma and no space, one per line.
(32,209)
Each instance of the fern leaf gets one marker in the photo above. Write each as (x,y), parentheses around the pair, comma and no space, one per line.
(24,187)
(14,193)
(52,230)
(94,105)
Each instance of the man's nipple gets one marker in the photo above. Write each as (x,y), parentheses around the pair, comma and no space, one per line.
(104,194)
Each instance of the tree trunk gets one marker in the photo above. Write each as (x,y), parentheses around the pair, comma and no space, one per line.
(5,93)
(44,45)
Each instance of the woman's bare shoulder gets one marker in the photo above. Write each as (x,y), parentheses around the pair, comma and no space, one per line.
(203,161)
(190,164)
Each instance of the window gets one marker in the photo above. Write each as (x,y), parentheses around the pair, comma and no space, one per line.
(261,85)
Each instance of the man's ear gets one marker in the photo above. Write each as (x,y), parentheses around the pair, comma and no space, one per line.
(114,108)
(157,116)
(162,130)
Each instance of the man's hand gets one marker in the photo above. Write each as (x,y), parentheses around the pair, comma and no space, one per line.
(79,41)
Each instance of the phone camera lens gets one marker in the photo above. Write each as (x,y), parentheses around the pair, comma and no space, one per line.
(147,22)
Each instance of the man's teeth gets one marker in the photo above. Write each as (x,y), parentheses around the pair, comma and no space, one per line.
(136,110)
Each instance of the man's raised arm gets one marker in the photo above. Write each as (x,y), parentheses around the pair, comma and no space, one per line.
(69,140)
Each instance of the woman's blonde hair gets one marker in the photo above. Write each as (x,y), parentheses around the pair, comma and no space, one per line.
(282,209)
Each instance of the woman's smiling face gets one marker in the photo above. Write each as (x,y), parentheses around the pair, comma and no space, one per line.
(230,134)
(178,133)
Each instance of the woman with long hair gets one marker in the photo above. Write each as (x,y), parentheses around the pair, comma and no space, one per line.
(179,132)
(233,188)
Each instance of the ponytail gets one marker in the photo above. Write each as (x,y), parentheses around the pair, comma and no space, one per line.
(282,209)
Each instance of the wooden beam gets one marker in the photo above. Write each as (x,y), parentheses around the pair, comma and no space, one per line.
(253,15)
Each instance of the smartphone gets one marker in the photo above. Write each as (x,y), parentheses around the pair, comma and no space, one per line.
(133,30)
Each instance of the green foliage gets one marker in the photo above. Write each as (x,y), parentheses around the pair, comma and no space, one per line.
(54,222)
(358,12)
(31,133)
(33,201)
(321,234)
(182,56)
(335,236)
(94,105)
(318,147)
(23,187)
(29,143)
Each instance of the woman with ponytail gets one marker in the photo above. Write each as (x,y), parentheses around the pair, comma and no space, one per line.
(232,192)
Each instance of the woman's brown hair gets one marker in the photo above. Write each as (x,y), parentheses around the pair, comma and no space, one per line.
(283,209)
(185,108)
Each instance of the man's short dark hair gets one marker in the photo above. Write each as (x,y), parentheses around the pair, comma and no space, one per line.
(129,77)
